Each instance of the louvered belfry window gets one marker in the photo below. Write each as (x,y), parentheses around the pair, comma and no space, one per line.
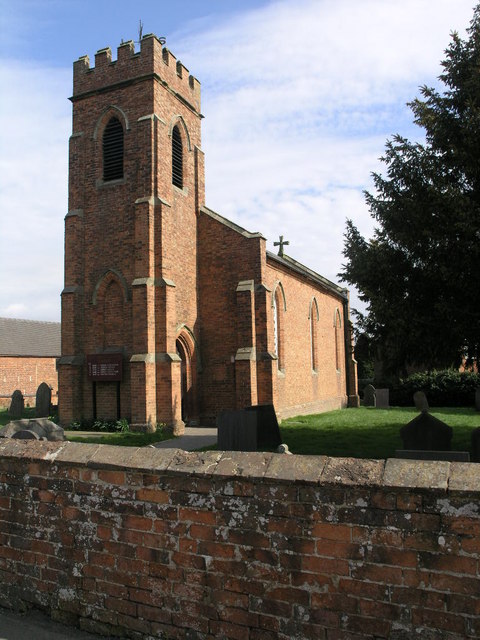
(113,150)
(177,158)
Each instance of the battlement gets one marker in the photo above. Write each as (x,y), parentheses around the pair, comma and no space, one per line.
(153,58)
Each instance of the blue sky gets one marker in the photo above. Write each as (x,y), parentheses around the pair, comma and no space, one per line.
(299,97)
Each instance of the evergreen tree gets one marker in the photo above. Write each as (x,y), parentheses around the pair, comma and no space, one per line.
(420,273)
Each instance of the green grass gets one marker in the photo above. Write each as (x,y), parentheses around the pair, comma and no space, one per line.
(359,433)
(368,432)
(128,439)
(5,418)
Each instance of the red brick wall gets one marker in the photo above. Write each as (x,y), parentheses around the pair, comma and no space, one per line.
(231,320)
(137,233)
(145,265)
(299,388)
(26,374)
(227,257)
(240,545)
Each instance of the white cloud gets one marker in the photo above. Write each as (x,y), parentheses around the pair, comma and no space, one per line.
(299,99)
(33,189)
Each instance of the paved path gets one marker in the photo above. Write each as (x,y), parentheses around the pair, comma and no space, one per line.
(194,438)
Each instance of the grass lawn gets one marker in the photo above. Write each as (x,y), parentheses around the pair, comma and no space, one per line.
(368,432)
(5,418)
(128,439)
(359,433)
(122,439)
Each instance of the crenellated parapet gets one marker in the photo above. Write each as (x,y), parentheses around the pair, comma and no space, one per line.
(153,59)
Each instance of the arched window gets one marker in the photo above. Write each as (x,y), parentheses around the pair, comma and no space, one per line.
(313,334)
(177,158)
(113,150)
(275,325)
(278,309)
(337,323)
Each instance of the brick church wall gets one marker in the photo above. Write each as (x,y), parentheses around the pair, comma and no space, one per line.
(26,373)
(229,545)
(300,388)
(226,257)
(152,274)
(139,231)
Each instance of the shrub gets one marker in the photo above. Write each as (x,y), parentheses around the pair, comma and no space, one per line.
(99,424)
(447,388)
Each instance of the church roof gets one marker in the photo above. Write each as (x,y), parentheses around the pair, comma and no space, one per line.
(285,261)
(29,338)
(293,265)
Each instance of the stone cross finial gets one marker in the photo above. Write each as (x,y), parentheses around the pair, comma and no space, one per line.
(281,244)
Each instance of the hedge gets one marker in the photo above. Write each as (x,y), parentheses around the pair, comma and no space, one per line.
(448,388)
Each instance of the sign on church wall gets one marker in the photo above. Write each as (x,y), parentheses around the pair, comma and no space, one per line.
(104,367)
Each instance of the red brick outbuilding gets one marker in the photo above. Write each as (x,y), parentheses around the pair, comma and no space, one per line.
(28,353)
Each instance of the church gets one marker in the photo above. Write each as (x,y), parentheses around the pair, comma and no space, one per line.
(170,312)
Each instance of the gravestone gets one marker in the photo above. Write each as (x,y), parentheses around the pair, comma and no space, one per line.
(17,405)
(25,434)
(43,400)
(41,428)
(268,432)
(369,399)
(420,400)
(425,432)
(476,445)
(382,398)
(477,399)
(237,430)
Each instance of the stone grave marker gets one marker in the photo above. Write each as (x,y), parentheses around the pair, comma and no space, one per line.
(427,433)
(17,405)
(369,399)
(420,400)
(477,399)
(43,400)
(25,434)
(382,398)
(36,428)
(237,430)
(268,432)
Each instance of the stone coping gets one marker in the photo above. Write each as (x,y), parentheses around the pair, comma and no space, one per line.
(393,473)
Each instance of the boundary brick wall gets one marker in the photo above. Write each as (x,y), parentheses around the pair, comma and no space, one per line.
(149,543)
(26,373)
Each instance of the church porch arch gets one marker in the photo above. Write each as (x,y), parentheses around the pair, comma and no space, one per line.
(187,351)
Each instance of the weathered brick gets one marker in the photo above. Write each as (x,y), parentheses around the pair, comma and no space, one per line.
(434,619)
(152,495)
(377,573)
(317,564)
(223,629)
(339,532)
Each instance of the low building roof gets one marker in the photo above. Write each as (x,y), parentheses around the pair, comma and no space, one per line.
(29,338)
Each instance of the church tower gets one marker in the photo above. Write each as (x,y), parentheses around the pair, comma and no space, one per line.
(136,185)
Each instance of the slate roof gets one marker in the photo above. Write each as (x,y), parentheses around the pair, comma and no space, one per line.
(29,338)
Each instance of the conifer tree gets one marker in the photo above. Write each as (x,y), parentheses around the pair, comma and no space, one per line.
(420,273)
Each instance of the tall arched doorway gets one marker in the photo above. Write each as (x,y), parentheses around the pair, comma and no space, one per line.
(185,351)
